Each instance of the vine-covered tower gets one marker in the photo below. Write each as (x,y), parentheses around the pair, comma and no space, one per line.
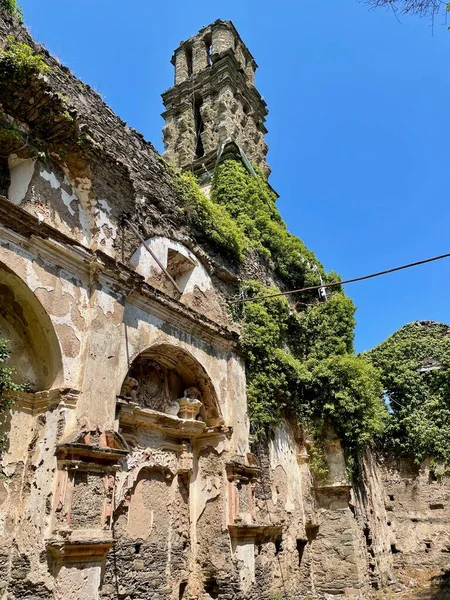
(214,107)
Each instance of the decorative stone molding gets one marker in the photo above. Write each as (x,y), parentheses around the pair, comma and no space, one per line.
(241,473)
(35,403)
(255,532)
(132,415)
(189,408)
(79,550)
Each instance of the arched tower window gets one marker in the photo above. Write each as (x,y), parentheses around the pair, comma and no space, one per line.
(188,50)
(208,46)
(199,126)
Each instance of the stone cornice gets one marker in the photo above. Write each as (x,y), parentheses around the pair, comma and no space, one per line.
(80,550)
(40,402)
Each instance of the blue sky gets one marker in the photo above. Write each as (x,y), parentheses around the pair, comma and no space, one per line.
(359,124)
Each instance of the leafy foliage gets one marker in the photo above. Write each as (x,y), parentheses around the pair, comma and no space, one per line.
(251,202)
(7,383)
(11,7)
(21,58)
(297,362)
(213,220)
(307,377)
(415,373)
(323,329)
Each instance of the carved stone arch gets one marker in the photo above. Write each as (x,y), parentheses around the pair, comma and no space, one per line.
(35,349)
(163,374)
(185,268)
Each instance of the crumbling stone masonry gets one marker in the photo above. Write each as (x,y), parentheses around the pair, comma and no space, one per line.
(128,472)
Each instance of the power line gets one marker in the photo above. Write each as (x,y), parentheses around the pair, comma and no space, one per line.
(335,283)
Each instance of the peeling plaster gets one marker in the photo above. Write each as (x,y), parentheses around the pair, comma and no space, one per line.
(68,199)
(21,172)
(51,178)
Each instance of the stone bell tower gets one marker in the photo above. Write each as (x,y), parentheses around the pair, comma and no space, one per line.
(214,105)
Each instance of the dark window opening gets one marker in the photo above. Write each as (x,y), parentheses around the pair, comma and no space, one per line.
(388,523)
(182,589)
(437,506)
(137,548)
(278,547)
(394,549)
(188,51)
(199,127)
(301,545)
(391,497)
(367,535)
(311,532)
(211,587)
(427,546)
(432,477)
(5,177)
(208,46)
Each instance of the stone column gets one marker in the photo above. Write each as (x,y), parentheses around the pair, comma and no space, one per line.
(181,66)
(222,38)
(199,56)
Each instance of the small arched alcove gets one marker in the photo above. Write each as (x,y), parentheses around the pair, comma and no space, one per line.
(32,341)
(169,380)
(182,265)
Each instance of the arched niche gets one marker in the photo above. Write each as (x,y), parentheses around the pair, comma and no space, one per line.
(164,377)
(183,266)
(35,350)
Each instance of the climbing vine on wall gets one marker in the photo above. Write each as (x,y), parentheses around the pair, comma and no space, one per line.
(317,378)
(297,361)
(211,219)
(299,353)
(415,373)
(251,203)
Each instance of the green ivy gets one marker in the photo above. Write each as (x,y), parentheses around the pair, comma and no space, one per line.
(251,203)
(212,219)
(21,58)
(297,361)
(7,383)
(415,373)
(325,329)
(305,375)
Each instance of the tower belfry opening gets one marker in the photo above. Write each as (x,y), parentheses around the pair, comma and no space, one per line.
(214,109)
(199,127)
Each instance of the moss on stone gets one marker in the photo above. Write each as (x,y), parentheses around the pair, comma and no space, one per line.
(21,59)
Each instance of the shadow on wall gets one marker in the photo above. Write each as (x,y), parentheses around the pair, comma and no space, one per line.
(35,349)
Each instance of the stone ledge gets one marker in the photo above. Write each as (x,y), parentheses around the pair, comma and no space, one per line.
(79,549)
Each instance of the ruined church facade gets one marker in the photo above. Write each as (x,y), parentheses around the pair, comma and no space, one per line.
(128,471)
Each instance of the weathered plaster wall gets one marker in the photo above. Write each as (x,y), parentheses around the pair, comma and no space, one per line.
(417,513)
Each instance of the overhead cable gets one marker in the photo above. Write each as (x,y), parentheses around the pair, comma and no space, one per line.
(336,283)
